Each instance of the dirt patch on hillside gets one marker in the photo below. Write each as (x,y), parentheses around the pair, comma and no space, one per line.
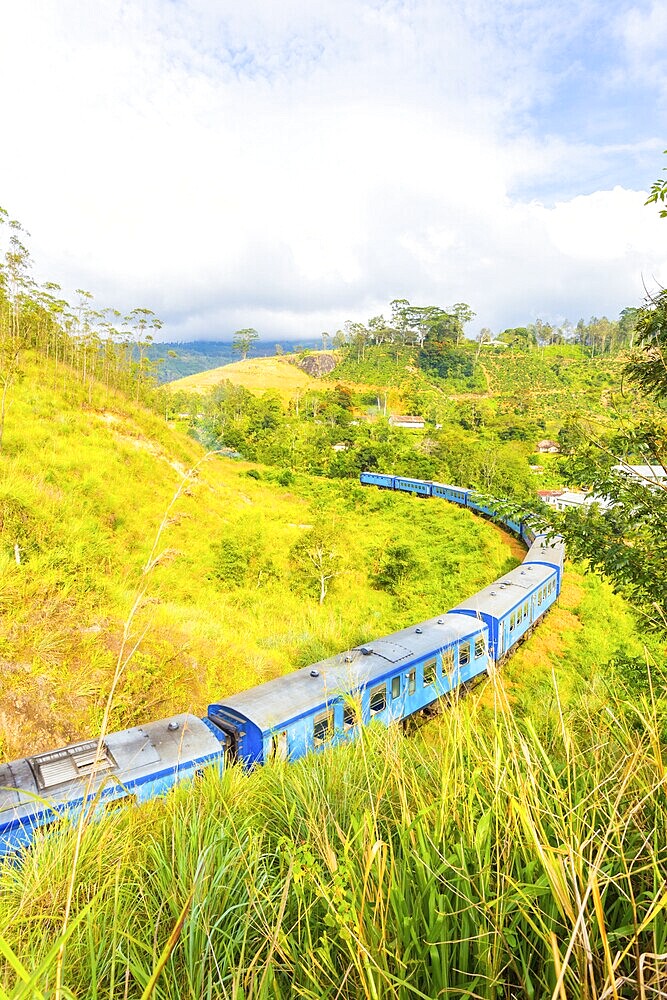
(318,365)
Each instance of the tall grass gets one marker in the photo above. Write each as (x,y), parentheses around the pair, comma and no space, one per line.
(481,858)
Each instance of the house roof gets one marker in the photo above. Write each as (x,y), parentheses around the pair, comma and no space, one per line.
(642,471)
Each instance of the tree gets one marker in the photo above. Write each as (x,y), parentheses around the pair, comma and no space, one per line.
(243,341)
(142,320)
(627,325)
(483,337)
(395,564)
(358,337)
(647,366)
(316,559)
(378,329)
(659,194)
(627,543)
(15,288)
(520,337)
(464,314)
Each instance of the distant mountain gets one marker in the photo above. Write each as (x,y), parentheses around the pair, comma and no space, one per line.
(200,355)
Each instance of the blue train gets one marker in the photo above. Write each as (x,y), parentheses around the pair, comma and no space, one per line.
(386,680)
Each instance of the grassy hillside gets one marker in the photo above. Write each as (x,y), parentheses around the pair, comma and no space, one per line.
(256,374)
(85,487)
(113,513)
(512,847)
(177,359)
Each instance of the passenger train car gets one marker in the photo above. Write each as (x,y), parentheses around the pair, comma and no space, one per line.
(384,680)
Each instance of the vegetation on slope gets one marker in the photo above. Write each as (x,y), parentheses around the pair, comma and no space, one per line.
(85,484)
(481,858)
(486,854)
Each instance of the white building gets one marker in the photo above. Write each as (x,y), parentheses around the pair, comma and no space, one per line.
(648,474)
(566,499)
(413,423)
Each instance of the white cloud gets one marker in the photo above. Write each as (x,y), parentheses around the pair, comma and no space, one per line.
(643,29)
(291,165)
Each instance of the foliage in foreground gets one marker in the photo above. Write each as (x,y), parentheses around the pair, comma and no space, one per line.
(628,543)
(480,858)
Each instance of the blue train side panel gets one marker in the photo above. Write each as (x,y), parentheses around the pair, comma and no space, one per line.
(387,680)
(407,485)
(513,525)
(455,494)
(377,479)
(475,503)
(511,606)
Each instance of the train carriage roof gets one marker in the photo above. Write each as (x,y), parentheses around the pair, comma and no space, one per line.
(510,590)
(448,486)
(280,701)
(130,755)
(546,550)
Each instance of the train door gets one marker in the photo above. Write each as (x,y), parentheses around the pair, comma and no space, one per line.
(501,640)
(279,747)
(231,736)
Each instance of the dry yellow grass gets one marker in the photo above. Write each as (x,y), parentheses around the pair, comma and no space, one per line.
(273,375)
(257,375)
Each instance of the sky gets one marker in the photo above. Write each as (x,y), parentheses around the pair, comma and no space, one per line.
(291,164)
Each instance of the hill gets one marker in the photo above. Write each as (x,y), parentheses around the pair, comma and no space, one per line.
(276,374)
(177,359)
(99,503)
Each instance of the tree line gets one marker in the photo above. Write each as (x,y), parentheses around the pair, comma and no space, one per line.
(96,345)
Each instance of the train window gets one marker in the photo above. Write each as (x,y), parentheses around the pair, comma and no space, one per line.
(512,621)
(525,610)
(396,687)
(429,672)
(480,646)
(539,596)
(323,728)
(349,716)
(378,699)
(412,681)
(448,662)
(464,653)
